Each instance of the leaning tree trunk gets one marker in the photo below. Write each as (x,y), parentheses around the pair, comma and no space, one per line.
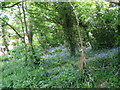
(83,59)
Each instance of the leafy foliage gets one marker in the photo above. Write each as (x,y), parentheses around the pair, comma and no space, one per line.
(43,48)
(59,71)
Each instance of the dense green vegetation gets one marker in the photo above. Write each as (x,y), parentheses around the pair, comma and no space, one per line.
(59,70)
(59,44)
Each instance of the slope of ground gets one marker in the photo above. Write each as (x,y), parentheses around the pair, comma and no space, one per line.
(58,70)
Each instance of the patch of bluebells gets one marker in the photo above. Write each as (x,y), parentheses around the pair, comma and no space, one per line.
(109,53)
(55,55)
(115,50)
(101,54)
(51,71)
(42,56)
(27,81)
(56,77)
(58,68)
(60,56)
(51,56)
(59,59)
(47,49)
(64,54)
(56,48)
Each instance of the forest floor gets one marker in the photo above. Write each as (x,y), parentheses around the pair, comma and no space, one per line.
(103,53)
(90,54)
(58,70)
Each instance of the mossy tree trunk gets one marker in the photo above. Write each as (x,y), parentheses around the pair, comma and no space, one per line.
(68,30)
(67,22)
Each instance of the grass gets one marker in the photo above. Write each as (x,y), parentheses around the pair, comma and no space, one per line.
(58,70)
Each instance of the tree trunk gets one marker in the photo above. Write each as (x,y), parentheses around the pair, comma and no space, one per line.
(70,39)
(68,30)
(83,59)
(25,46)
(4,38)
(30,36)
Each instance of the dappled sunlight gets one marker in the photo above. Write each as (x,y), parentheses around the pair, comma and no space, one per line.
(59,44)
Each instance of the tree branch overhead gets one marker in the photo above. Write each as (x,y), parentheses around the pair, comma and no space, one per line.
(12,5)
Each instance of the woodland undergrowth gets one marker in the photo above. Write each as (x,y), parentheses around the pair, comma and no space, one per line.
(58,70)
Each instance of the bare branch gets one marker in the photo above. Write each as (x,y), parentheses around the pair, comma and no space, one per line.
(13,4)
(12,28)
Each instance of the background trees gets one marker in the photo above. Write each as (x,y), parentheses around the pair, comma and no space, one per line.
(51,24)
(42,29)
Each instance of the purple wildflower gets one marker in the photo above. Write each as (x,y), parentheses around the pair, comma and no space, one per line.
(64,54)
(59,59)
(58,76)
(51,72)
(42,56)
(55,47)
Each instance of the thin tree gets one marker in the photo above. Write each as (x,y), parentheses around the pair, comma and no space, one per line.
(4,38)
(83,59)
(29,35)
(24,41)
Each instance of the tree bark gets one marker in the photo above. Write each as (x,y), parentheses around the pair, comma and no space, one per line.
(4,39)
(29,35)
(83,59)
(68,29)
(24,41)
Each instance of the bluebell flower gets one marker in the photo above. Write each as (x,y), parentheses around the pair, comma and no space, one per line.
(72,57)
(58,76)
(55,48)
(109,53)
(64,54)
(42,56)
(59,59)
(27,81)
(51,71)
(96,54)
